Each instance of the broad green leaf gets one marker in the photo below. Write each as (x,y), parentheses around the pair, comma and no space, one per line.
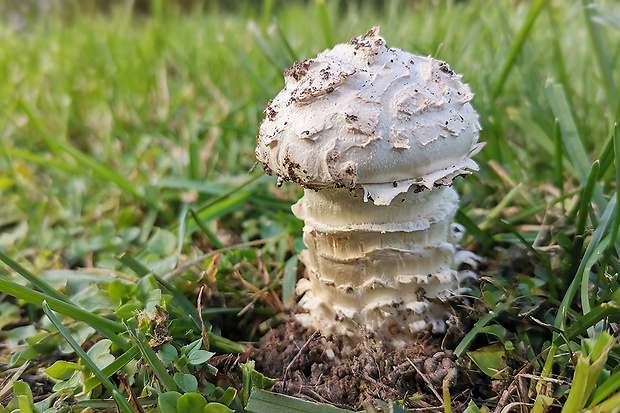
(164,265)
(100,353)
(25,404)
(542,403)
(168,401)
(128,310)
(186,382)
(191,403)
(217,408)
(494,329)
(491,360)
(472,408)
(118,363)
(61,370)
(72,382)
(21,389)
(9,314)
(168,352)
(162,243)
(193,346)
(118,291)
(198,357)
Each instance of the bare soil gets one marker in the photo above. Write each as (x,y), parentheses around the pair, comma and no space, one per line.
(329,370)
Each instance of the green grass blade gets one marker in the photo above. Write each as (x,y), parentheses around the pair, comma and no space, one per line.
(182,230)
(180,299)
(70,310)
(101,171)
(44,287)
(596,248)
(583,323)
(515,50)
(467,340)
(589,258)
(569,132)
(550,275)
(559,60)
(528,213)
(159,369)
(557,156)
(212,237)
(609,386)
(604,16)
(266,12)
(193,168)
(587,372)
(266,48)
(570,137)
(133,264)
(471,227)
(222,203)
(497,211)
(606,156)
(118,363)
(109,404)
(122,403)
(40,160)
(218,342)
(292,56)
(185,184)
(263,87)
(55,297)
(264,401)
(289,279)
(325,23)
(616,224)
(586,200)
(600,52)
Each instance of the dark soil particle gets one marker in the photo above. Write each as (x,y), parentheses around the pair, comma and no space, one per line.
(329,370)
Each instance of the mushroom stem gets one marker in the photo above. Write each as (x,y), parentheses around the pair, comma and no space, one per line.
(378,270)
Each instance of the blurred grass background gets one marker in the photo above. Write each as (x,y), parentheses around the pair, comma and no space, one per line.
(114,115)
(127,127)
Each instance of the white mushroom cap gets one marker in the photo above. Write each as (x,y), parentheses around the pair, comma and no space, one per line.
(368,115)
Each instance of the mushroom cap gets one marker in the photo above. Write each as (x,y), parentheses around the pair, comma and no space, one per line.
(363,114)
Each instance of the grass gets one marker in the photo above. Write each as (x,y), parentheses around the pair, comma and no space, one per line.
(126,140)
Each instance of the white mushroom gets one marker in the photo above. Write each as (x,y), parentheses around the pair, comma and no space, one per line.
(376,135)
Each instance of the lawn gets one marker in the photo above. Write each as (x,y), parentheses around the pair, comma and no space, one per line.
(137,236)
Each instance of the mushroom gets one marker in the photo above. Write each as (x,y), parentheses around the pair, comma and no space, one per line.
(376,136)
